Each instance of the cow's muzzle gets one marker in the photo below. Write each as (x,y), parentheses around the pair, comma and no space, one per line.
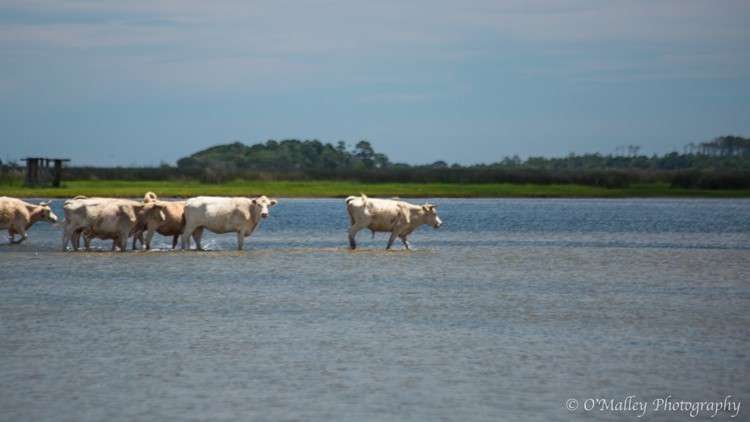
(264,215)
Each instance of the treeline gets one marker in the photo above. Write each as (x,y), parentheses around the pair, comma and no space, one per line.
(285,155)
(723,163)
(723,153)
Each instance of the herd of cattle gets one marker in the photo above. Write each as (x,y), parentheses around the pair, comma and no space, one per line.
(120,219)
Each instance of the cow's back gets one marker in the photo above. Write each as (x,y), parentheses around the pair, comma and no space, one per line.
(382,215)
(217,214)
(111,217)
(100,214)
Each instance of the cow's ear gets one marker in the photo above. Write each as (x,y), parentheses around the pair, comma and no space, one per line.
(254,202)
(273,202)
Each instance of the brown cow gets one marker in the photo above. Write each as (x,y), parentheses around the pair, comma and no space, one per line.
(174,222)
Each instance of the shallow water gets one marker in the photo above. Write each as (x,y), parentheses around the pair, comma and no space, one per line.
(508,311)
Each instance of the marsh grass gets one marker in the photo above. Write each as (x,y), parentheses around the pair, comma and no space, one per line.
(342,189)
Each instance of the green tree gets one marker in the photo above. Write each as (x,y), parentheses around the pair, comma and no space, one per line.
(343,156)
(381,160)
(365,153)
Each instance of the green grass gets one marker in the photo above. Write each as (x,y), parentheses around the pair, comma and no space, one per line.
(335,189)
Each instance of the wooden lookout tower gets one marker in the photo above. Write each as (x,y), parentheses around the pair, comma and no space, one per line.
(38,171)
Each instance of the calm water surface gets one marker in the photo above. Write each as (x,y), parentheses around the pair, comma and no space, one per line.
(507,312)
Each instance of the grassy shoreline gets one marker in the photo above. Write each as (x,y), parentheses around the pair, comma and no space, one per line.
(336,189)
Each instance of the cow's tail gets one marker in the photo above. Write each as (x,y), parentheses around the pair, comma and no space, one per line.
(149,197)
(353,198)
(349,201)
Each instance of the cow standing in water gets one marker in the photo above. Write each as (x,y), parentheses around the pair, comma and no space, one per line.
(105,218)
(386,215)
(18,216)
(173,224)
(223,215)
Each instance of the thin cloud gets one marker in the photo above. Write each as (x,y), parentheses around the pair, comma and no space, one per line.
(305,63)
(399,97)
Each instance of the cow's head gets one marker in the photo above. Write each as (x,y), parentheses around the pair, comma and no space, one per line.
(262,203)
(47,214)
(431,217)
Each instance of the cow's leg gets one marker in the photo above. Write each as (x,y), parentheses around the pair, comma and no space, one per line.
(353,229)
(65,238)
(123,240)
(21,231)
(394,235)
(86,241)
(150,235)
(197,235)
(240,239)
(174,240)
(186,240)
(138,236)
(68,234)
(404,241)
(186,233)
(76,239)
(11,235)
(144,244)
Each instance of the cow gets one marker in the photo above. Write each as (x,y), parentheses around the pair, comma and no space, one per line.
(106,218)
(173,224)
(18,216)
(223,215)
(388,215)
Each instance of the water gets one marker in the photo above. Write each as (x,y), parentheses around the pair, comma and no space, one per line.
(507,312)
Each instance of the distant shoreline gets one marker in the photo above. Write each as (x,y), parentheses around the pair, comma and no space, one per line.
(337,189)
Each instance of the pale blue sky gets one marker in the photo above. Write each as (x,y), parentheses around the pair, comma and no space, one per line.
(140,82)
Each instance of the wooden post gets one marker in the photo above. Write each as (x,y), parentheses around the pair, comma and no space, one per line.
(38,171)
(45,172)
(32,171)
(58,173)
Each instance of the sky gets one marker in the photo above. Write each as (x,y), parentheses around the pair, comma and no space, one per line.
(147,82)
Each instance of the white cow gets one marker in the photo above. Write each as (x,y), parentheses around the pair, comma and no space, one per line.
(388,215)
(106,218)
(18,216)
(173,224)
(223,215)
